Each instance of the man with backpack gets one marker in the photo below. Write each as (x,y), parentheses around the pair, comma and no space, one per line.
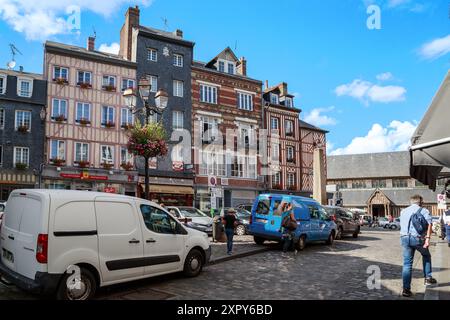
(415,232)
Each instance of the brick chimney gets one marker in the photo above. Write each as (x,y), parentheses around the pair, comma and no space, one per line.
(91,44)
(126,33)
(179,33)
(242,69)
(283,89)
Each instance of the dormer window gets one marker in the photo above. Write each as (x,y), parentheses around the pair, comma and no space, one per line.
(2,84)
(288,103)
(24,87)
(226,66)
(230,68)
(274,99)
(221,66)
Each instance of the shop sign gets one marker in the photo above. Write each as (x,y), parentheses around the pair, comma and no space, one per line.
(110,190)
(83,176)
(178,166)
(442,202)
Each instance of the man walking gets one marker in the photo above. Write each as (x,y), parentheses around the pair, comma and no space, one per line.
(412,240)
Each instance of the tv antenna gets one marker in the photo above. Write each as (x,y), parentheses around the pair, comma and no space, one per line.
(95,32)
(166,24)
(11,64)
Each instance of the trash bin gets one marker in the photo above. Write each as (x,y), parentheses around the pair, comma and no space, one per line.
(218,230)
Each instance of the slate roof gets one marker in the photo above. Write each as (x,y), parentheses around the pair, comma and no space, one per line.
(16,73)
(372,165)
(399,197)
(306,125)
(166,34)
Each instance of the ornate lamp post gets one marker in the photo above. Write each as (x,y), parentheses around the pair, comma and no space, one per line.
(160,104)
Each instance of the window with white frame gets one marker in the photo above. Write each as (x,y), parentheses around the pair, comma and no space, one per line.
(57,150)
(109,82)
(288,102)
(3,84)
(81,152)
(21,155)
(84,77)
(231,68)
(23,119)
(243,167)
(127,84)
(83,113)
(107,155)
(291,180)
(60,73)
(212,163)
(107,116)
(289,128)
(59,109)
(153,83)
(245,101)
(276,179)
(210,128)
(275,152)
(290,154)
(221,66)
(208,94)
(178,60)
(274,99)
(125,156)
(178,88)
(24,87)
(2,119)
(178,120)
(274,123)
(126,117)
(152,55)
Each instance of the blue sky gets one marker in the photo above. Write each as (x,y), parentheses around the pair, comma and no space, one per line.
(369,88)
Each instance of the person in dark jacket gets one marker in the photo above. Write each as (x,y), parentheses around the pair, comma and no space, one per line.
(229,221)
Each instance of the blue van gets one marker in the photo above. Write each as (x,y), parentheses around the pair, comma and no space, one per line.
(314,224)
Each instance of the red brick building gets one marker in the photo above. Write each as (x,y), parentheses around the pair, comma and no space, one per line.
(224,98)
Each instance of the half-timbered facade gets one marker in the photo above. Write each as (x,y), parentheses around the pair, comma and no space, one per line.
(87,120)
(226,115)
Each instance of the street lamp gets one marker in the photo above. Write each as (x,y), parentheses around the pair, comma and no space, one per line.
(161,101)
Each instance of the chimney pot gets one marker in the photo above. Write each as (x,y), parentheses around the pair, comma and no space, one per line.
(21,68)
(91,44)
(267,84)
(179,33)
(243,66)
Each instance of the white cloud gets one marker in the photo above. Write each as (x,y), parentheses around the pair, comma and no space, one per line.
(396,3)
(435,48)
(317,118)
(113,48)
(366,91)
(385,76)
(395,137)
(54,17)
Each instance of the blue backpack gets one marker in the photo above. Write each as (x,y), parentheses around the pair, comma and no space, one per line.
(419,223)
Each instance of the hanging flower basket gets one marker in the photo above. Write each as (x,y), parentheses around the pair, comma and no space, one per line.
(107,166)
(84,122)
(85,85)
(83,164)
(58,162)
(21,166)
(22,129)
(148,141)
(127,166)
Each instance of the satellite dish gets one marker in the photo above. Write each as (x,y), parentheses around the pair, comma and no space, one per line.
(11,64)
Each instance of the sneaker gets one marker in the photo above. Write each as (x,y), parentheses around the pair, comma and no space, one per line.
(407,293)
(430,281)
(296,252)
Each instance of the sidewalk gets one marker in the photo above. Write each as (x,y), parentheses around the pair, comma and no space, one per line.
(441,271)
(243,246)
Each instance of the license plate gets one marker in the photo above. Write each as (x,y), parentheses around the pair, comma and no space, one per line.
(261,221)
(208,230)
(8,256)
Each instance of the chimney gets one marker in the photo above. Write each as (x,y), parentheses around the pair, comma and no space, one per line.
(126,33)
(179,33)
(283,89)
(243,67)
(91,44)
(21,69)
(267,84)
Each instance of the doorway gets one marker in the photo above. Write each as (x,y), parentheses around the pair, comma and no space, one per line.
(378,211)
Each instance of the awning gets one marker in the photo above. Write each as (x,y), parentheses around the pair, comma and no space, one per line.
(170,189)
(430,150)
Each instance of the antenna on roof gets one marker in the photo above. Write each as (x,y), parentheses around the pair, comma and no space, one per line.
(95,32)
(166,24)
(235,46)
(11,64)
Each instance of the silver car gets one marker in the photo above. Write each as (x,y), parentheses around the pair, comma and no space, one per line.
(193,218)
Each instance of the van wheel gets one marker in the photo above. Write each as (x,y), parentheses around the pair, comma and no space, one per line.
(301,243)
(258,240)
(193,264)
(330,239)
(84,290)
(340,233)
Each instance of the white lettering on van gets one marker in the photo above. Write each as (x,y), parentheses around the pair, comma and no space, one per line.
(74,280)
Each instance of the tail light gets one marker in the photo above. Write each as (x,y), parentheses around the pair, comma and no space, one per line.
(42,248)
(250,219)
(333,218)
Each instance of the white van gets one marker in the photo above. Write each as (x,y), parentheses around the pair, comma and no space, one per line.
(47,235)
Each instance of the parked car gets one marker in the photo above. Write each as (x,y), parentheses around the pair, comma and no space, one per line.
(314,224)
(2,206)
(394,225)
(193,218)
(364,219)
(345,222)
(107,238)
(383,222)
(243,220)
(246,206)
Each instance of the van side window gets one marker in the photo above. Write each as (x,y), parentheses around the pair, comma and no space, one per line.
(276,208)
(263,207)
(157,220)
(314,212)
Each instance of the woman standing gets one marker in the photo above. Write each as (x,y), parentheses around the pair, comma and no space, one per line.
(288,226)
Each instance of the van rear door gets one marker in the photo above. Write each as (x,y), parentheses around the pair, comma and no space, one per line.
(24,220)
(260,215)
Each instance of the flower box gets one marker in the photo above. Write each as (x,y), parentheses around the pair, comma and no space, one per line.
(58,162)
(107,166)
(277,187)
(292,188)
(84,85)
(22,129)
(127,126)
(127,166)
(84,122)
(61,81)
(83,164)
(109,125)
(60,118)
(109,88)
(21,166)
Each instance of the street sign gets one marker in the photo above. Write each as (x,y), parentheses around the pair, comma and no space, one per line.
(212,181)
(224,181)
(213,201)
(217,192)
(442,202)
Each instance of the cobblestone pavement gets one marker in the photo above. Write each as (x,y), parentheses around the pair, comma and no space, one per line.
(320,272)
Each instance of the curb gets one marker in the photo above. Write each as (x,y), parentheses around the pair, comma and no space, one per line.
(238,255)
